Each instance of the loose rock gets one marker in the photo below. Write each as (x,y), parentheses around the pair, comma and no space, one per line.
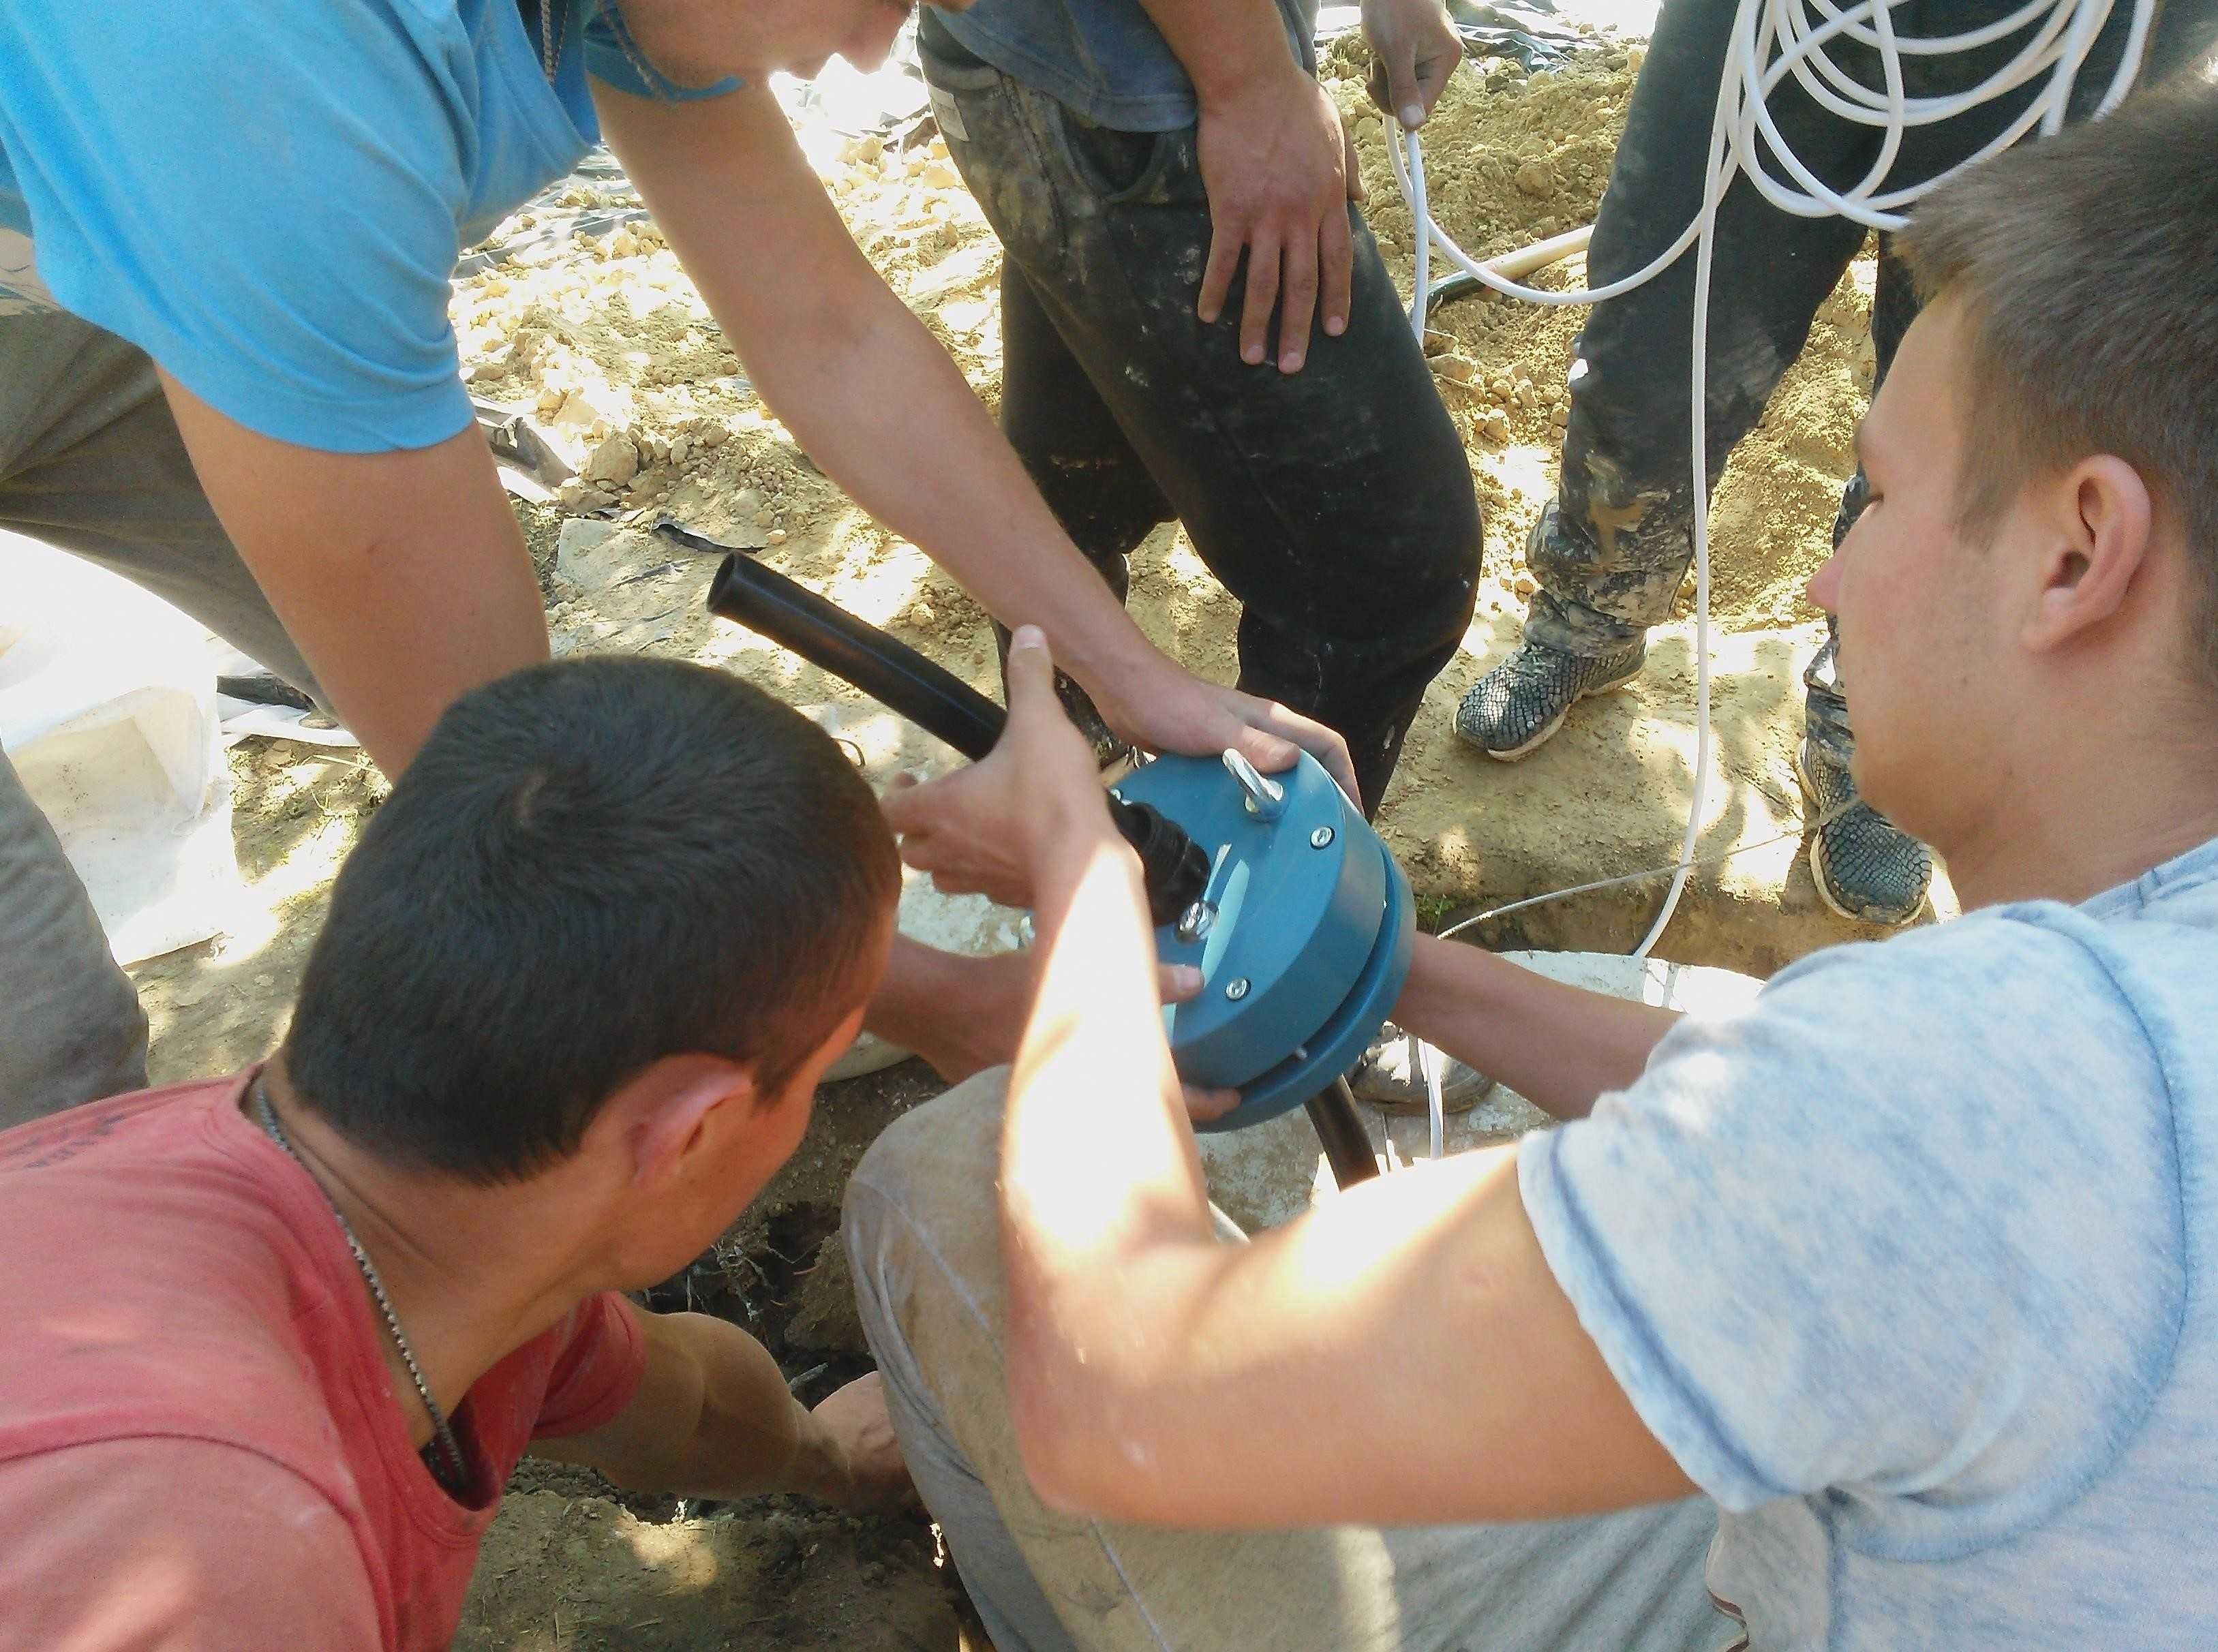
(614,461)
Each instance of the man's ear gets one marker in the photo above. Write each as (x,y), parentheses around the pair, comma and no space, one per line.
(2100,526)
(668,1110)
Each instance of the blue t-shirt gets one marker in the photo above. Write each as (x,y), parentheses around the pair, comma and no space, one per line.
(1903,1266)
(1105,59)
(268,197)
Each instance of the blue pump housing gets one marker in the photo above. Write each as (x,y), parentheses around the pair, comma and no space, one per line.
(1303,935)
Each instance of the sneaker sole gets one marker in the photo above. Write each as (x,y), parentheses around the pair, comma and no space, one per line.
(1547,730)
(1821,866)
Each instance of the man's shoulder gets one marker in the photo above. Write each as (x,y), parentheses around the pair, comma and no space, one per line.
(246,1552)
(143,1122)
(2034,1023)
(155,1282)
(2035,972)
(1918,1215)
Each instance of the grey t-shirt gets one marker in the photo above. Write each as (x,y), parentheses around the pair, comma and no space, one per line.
(1904,1266)
(1102,58)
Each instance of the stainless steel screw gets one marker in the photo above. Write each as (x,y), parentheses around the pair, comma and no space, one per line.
(1236,988)
(1196,921)
(1320,839)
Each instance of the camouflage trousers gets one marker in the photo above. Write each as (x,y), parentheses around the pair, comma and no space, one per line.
(1612,551)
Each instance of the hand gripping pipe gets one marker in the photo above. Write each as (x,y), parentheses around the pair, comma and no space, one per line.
(1172,866)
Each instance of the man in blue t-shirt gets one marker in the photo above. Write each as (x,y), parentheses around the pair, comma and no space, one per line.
(1197,327)
(226,234)
(1873,1317)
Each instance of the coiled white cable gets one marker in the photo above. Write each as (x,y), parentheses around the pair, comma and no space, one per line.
(1772,40)
(1420,281)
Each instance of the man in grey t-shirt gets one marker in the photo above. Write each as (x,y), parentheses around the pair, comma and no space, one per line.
(1867,1318)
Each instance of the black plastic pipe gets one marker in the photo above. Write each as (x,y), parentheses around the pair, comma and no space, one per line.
(826,635)
(1173,866)
(1340,1129)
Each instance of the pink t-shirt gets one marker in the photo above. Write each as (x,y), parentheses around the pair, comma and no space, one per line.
(199,1446)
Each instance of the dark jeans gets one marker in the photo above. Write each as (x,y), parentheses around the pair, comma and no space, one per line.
(1335,504)
(1611,555)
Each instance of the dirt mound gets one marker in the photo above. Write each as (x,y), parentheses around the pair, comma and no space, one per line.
(576,1575)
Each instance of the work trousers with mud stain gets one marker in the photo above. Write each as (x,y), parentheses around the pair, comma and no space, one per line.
(91,462)
(921,1232)
(1335,503)
(1611,553)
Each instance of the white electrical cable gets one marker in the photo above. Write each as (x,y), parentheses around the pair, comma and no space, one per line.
(1771,41)
(1420,282)
(1432,1061)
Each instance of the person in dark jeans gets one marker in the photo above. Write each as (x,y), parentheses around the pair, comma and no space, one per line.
(1327,488)
(1610,552)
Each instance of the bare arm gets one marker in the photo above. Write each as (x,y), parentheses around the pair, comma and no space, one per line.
(713,1418)
(404,580)
(876,402)
(402,576)
(1557,1045)
(914,1006)
(1156,1375)
(228,1548)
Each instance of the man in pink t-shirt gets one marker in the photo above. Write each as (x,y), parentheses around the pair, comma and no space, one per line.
(276,1340)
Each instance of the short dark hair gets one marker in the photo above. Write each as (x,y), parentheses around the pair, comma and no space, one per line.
(591,864)
(2087,264)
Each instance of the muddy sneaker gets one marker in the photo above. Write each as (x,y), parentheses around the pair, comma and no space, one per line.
(1867,869)
(1390,1077)
(1518,704)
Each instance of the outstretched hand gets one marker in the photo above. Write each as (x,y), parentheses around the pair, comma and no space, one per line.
(992,828)
(983,829)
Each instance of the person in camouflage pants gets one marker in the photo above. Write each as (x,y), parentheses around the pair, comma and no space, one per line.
(1612,549)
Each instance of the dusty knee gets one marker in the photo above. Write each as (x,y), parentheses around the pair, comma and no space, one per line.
(934,1165)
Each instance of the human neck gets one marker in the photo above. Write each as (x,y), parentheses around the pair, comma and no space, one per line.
(472,1272)
(2070,823)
